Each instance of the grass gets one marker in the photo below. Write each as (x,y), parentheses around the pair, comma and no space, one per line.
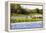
(25,19)
(13,14)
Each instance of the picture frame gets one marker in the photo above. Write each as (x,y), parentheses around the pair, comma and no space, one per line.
(28,4)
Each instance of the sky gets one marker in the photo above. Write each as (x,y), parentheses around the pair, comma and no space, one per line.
(31,6)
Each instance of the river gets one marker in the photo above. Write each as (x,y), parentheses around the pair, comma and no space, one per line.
(26,25)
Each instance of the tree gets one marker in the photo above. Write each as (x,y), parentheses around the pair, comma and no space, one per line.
(41,11)
(37,10)
(16,8)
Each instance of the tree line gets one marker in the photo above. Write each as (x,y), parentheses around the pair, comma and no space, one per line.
(17,9)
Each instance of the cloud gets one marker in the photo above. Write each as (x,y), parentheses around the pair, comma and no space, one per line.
(31,6)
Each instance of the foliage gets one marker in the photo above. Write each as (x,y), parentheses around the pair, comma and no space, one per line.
(17,9)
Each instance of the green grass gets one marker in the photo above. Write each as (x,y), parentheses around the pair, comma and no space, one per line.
(13,14)
(25,19)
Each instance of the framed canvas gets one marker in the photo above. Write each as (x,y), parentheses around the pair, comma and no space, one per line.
(24,16)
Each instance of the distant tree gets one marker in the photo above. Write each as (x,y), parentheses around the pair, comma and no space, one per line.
(41,11)
(37,10)
(12,7)
(16,8)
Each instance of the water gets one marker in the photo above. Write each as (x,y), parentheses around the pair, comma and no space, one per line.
(26,25)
